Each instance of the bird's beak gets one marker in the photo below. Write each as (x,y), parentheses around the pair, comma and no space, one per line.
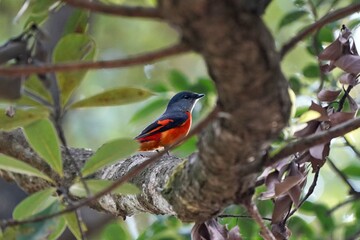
(199,95)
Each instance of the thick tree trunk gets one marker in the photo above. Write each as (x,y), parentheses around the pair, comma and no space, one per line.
(253,108)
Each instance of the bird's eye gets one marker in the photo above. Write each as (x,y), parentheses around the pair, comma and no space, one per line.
(186,96)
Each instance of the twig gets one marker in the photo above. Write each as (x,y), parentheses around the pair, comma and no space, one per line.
(308,194)
(343,98)
(347,201)
(37,98)
(62,138)
(317,138)
(125,11)
(126,177)
(341,175)
(353,148)
(78,221)
(254,213)
(74,66)
(240,216)
(335,15)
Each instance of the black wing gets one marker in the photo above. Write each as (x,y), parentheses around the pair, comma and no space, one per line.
(165,122)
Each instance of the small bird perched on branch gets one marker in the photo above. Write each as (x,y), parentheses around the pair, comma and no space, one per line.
(172,125)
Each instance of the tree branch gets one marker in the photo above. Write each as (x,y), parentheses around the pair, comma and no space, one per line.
(248,77)
(254,213)
(314,139)
(331,17)
(73,66)
(342,176)
(347,201)
(125,11)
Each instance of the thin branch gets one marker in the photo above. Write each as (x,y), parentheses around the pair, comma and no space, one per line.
(74,66)
(125,11)
(341,175)
(340,205)
(353,148)
(331,17)
(240,216)
(308,194)
(343,98)
(79,223)
(318,138)
(254,213)
(61,134)
(126,177)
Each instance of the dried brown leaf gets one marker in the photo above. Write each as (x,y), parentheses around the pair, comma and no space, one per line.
(280,231)
(332,52)
(348,79)
(349,63)
(353,105)
(213,230)
(288,183)
(326,68)
(281,208)
(317,151)
(327,95)
(308,130)
(270,181)
(340,117)
(295,193)
(234,234)
(318,108)
(316,163)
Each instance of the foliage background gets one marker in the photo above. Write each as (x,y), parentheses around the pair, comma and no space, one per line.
(119,37)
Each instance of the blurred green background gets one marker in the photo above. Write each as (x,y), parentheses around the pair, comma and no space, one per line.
(118,37)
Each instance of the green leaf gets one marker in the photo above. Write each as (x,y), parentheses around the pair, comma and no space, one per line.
(308,116)
(186,148)
(301,110)
(203,85)
(13,165)
(354,138)
(34,85)
(295,84)
(114,97)
(43,229)
(72,47)
(115,231)
(42,137)
(291,17)
(352,171)
(96,186)
(78,22)
(22,117)
(300,228)
(34,203)
(151,110)
(321,211)
(179,81)
(59,229)
(28,102)
(326,34)
(72,223)
(39,11)
(311,71)
(109,153)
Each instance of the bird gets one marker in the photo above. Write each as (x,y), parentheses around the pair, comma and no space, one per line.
(172,125)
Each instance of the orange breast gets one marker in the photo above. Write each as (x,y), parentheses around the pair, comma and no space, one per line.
(168,137)
(171,136)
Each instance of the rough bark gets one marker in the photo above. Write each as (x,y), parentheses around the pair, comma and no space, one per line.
(254,106)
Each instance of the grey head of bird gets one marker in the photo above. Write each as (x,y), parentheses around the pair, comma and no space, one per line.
(183,101)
